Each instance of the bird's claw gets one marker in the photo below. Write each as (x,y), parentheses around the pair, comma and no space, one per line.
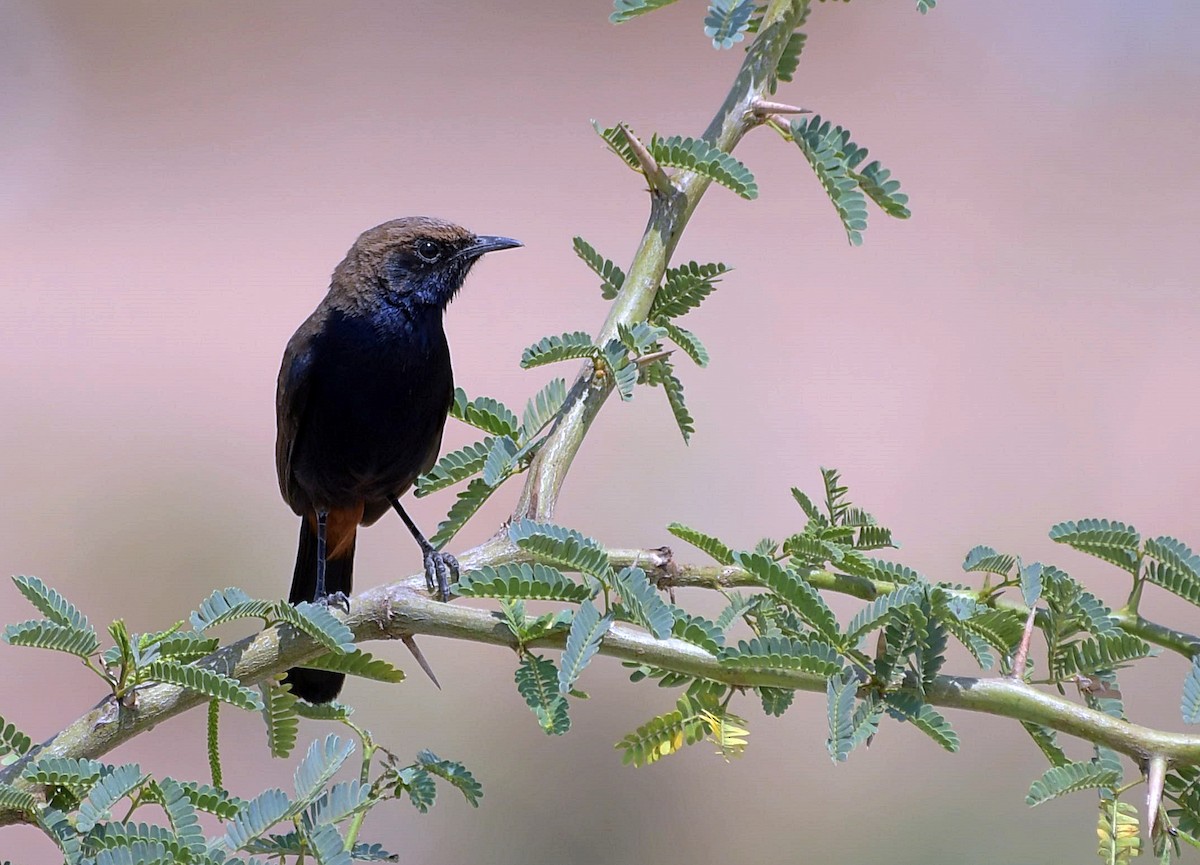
(439,567)
(335,599)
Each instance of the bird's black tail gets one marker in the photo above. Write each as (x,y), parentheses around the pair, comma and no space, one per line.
(320,686)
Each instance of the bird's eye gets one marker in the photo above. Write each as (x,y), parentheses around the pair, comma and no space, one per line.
(428,251)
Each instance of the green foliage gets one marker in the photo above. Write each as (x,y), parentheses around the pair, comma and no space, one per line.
(684,288)
(583,641)
(453,772)
(614,360)
(794,590)
(984,559)
(41,634)
(1118,830)
(225,605)
(673,388)
(51,604)
(663,735)
(469,501)
(1177,568)
(807,654)
(1190,705)
(623,10)
(485,413)
(537,683)
(279,716)
(1070,778)
(617,139)
(703,542)
(319,765)
(611,276)
(317,622)
(643,600)
(908,706)
(182,815)
(1098,653)
(696,154)
(698,631)
(880,610)
(75,775)
(727,21)
(14,799)
(210,683)
(454,467)
(835,159)
(357,663)
(688,341)
(12,740)
(839,692)
(256,818)
(500,460)
(543,407)
(1111,541)
(775,701)
(534,582)
(1047,742)
(1031,583)
(106,792)
(563,547)
(551,349)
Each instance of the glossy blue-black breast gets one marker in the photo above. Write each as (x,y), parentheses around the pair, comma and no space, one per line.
(371,396)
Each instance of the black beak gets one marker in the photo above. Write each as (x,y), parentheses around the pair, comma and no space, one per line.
(485,243)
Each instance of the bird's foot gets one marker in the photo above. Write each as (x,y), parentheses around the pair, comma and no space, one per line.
(439,567)
(335,599)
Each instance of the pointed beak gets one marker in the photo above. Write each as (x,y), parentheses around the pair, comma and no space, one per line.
(486,243)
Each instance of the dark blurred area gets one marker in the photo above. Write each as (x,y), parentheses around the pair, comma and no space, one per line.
(179,181)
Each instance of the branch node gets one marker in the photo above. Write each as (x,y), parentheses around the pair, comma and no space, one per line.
(658,179)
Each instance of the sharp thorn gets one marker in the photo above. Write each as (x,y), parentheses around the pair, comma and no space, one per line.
(763,108)
(420,656)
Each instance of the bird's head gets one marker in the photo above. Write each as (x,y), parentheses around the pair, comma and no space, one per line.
(415,262)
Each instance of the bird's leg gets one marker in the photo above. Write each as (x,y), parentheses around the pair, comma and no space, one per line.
(337,599)
(439,566)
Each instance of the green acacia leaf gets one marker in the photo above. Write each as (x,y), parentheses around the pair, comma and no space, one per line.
(839,694)
(643,600)
(776,701)
(212,800)
(259,815)
(1177,568)
(454,467)
(617,139)
(1190,705)
(357,663)
(696,154)
(698,631)
(615,358)
(12,740)
(500,460)
(543,407)
(684,288)
(225,605)
(552,349)
(338,802)
(986,560)
(51,604)
(317,622)
(807,654)
(703,542)
(328,846)
(105,793)
(279,716)
(42,634)
(1047,741)
(182,815)
(876,181)
(1031,583)
(611,276)
(537,683)
(186,647)
(789,59)
(688,341)
(534,582)
(563,547)
(332,711)
(623,10)
(421,789)
(663,735)
(1097,654)
(15,799)
(673,388)
(1070,778)
(468,502)
(485,413)
(453,772)
(588,628)
(319,765)
(210,683)
(827,149)
(76,775)
(792,588)
(727,21)
(908,706)
(55,824)
(881,609)
(1111,541)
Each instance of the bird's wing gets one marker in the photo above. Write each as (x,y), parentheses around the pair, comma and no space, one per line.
(291,398)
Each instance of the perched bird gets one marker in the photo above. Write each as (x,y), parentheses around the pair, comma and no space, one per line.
(363,394)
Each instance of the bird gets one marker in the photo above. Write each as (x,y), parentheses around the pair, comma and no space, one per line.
(363,393)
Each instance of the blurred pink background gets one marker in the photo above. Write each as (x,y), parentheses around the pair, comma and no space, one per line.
(179,181)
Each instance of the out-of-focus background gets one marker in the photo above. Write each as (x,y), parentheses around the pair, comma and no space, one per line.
(179,181)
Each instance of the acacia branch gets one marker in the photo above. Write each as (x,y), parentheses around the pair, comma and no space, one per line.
(404,609)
